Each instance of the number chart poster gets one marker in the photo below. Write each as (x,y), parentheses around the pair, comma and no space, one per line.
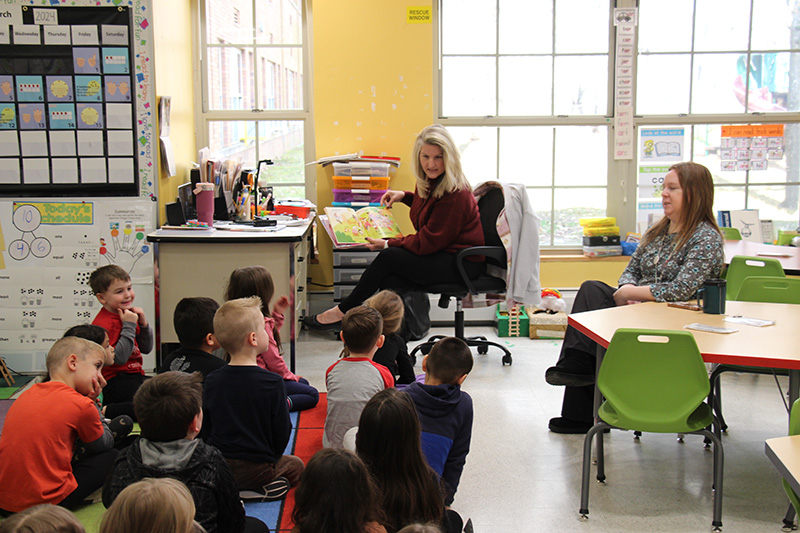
(76,98)
(49,250)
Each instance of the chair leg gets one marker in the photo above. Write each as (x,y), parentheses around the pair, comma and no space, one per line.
(715,398)
(788,520)
(719,459)
(587,464)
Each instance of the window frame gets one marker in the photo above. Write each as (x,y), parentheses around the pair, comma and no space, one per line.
(622,175)
(205,116)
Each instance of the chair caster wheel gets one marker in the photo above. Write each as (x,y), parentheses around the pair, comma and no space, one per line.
(506,360)
(584,516)
(483,350)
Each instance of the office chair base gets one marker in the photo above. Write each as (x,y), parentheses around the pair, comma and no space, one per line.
(478,341)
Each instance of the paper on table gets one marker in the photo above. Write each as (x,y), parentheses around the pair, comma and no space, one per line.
(757,322)
(710,329)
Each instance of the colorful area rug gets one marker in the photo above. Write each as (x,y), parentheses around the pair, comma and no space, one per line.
(306,440)
(19,383)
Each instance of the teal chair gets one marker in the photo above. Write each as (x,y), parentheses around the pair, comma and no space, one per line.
(656,381)
(743,266)
(731,234)
(778,290)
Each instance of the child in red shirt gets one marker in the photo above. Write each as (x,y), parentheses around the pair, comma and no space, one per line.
(129,334)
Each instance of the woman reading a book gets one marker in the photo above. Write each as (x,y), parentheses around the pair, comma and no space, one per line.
(445,215)
(673,260)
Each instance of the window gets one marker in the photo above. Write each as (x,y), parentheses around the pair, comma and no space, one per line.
(524,91)
(526,88)
(254,93)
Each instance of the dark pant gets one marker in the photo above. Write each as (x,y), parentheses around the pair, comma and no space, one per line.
(302,395)
(254,525)
(118,394)
(579,352)
(253,476)
(90,473)
(400,270)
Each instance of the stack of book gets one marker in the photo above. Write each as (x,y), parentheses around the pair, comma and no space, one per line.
(600,237)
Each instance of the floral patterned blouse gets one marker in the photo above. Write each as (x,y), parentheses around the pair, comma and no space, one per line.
(675,276)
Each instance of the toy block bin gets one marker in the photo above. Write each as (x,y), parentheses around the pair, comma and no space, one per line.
(547,325)
(508,327)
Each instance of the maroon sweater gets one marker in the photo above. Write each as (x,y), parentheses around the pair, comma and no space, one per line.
(450,223)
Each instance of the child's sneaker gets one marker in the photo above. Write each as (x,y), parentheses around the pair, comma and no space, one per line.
(275,490)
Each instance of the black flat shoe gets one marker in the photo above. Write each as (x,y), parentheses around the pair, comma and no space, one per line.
(313,324)
(558,376)
(569,427)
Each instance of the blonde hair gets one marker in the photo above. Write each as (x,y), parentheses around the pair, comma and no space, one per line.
(235,320)
(391,307)
(430,527)
(162,505)
(44,518)
(66,346)
(453,179)
(697,205)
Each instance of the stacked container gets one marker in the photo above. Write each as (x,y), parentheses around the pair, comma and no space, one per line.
(359,183)
(600,237)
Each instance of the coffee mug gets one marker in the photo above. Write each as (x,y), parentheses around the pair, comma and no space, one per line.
(712,296)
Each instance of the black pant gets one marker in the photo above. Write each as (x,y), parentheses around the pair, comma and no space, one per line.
(579,352)
(118,394)
(90,473)
(400,270)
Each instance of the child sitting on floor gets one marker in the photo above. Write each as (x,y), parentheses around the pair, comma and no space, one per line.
(246,408)
(169,409)
(355,378)
(194,324)
(394,352)
(257,281)
(42,426)
(337,495)
(162,505)
(43,518)
(445,411)
(129,333)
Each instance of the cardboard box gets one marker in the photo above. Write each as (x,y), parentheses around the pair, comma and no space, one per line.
(547,325)
(503,325)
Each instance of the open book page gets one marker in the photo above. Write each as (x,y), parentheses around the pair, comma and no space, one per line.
(378,223)
(345,225)
(323,219)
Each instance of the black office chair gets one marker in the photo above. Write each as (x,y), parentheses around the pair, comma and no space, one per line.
(489,205)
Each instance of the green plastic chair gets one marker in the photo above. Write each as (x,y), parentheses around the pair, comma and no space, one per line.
(794,500)
(743,266)
(653,380)
(771,289)
(731,234)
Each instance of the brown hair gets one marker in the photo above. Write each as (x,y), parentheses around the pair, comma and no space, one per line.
(235,320)
(155,505)
(336,494)
(166,404)
(253,281)
(44,518)
(361,327)
(697,205)
(449,359)
(430,527)
(388,440)
(101,278)
(453,179)
(391,307)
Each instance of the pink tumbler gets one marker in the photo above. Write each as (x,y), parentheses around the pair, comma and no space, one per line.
(205,207)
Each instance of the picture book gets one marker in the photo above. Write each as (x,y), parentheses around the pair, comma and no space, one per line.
(349,226)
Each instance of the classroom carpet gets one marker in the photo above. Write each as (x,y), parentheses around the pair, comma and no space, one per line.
(306,440)
(19,383)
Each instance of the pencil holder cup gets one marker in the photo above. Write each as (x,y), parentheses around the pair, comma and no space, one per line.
(205,207)
(712,296)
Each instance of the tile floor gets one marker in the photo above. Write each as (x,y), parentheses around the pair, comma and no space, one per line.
(519,477)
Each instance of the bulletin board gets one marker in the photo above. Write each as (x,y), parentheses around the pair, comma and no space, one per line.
(75,110)
(96,201)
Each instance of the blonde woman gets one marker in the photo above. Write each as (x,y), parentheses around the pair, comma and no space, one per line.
(445,215)
(162,505)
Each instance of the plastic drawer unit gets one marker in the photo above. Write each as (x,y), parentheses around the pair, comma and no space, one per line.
(348,265)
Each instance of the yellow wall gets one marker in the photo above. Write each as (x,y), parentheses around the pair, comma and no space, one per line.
(373,92)
(172,29)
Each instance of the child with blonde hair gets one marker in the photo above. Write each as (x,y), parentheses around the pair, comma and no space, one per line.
(162,505)
(394,352)
(257,281)
(44,518)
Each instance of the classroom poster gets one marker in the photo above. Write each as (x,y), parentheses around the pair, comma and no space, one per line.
(750,147)
(659,149)
(50,249)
